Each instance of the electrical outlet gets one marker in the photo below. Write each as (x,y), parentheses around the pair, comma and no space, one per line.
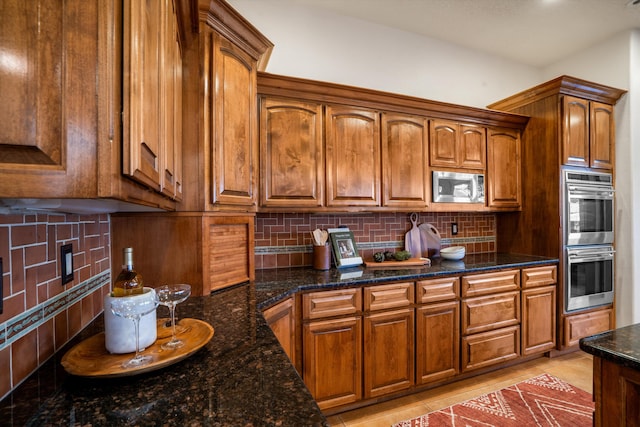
(1,290)
(454,228)
(66,263)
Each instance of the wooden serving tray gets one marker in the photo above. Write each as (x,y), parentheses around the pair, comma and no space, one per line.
(411,262)
(90,358)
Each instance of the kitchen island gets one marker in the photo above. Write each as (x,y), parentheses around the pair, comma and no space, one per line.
(241,377)
(616,375)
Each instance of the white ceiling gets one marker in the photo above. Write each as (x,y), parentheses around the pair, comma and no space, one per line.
(532,32)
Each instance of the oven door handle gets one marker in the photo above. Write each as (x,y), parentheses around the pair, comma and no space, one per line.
(588,191)
(591,256)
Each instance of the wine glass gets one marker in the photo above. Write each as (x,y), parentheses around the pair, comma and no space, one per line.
(170,296)
(134,309)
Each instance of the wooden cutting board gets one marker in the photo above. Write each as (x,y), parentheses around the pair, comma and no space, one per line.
(411,262)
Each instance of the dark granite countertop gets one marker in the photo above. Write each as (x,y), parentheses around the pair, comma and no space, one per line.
(620,346)
(241,377)
(276,284)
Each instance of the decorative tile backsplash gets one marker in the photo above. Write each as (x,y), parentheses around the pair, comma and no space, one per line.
(40,315)
(284,240)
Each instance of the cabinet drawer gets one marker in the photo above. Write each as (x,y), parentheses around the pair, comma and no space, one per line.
(490,312)
(489,348)
(435,290)
(489,283)
(584,325)
(341,302)
(539,276)
(383,297)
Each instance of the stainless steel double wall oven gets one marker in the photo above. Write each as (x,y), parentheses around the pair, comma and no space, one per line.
(588,222)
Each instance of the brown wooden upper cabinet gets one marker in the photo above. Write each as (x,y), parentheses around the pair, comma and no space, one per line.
(588,133)
(291,153)
(332,148)
(504,186)
(405,150)
(457,145)
(62,135)
(234,155)
(353,156)
(152,128)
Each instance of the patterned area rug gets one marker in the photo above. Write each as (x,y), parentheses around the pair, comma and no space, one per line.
(541,401)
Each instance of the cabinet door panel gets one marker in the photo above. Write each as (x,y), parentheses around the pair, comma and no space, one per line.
(49,107)
(281,318)
(388,355)
(443,146)
(353,157)
(490,312)
(31,83)
(582,325)
(437,341)
(384,297)
(235,152)
(538,319)
(490,348)
(602,147)
(171,106)
(575,131)
(333,361)
(142,60)
(292,153)
(339,302)
(488,283)
(539,276)
(436,290)
(473,143)
(404,159)
(503,169)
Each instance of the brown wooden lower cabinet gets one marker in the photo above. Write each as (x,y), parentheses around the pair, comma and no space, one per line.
(616,391)
(281,318)
(490,348)
(364,343)
(437,341)
(332,360)
(538,319)
(388,352)
(586,324)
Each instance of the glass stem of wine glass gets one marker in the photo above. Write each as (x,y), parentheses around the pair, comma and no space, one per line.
(136,322)
(172,307)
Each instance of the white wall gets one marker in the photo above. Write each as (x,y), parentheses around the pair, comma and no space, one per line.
(316,44)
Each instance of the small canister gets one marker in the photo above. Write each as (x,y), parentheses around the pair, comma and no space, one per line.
(322,257)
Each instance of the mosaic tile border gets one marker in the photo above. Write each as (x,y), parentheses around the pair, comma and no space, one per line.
(295,249)
(18,326)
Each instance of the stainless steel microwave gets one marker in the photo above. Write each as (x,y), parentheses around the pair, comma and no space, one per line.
(456,187)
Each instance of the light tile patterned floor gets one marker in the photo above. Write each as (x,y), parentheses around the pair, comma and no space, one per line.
(575,368)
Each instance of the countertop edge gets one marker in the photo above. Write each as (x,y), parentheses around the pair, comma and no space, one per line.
(264,300)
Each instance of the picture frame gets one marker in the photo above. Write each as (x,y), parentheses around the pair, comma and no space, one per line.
(345,250)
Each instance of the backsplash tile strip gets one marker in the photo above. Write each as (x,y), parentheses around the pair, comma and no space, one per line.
(35,302)
(282,240)
(28,321)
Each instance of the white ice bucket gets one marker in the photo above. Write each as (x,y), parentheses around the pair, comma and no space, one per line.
(120,333)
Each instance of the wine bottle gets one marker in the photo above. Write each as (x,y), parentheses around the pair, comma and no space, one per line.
(128,282)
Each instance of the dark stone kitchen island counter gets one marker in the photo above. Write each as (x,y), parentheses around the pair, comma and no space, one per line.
(616,375)
(242,377)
